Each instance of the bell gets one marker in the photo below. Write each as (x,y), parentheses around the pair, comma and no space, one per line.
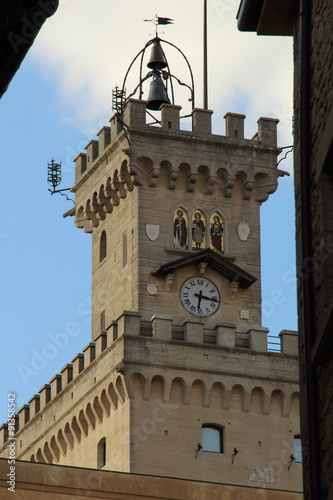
(157,94)
(157,60)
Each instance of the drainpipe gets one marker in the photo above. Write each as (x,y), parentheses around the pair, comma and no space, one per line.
(306,245)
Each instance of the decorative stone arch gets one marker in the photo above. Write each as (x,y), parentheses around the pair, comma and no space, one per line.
(47,453)
(137,384)
(69,436)
(91,416)
(225,181)
(237,397)
(120,388)
(125,176)
(198,393)
(157,388)
(277,402)
(257,400)
(105,402)
(294,404)
(216,394)
(62,442)
(55,449)
(178,391)
(39,456)
(76,430)
(98,409)
(113,395)
(83,423)
(186,178)
(32,458)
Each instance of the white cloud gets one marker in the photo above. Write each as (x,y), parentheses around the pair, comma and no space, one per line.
(87,46)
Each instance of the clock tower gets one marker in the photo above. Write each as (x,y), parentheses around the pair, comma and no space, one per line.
(177,379)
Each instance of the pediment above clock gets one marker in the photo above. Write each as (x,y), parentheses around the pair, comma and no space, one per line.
(219,263)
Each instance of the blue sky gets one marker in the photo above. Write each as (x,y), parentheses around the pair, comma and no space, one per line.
(58,100)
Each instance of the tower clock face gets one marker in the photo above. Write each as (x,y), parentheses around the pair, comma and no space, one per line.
(199,296)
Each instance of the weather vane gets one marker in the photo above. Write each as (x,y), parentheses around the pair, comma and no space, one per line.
(159,20)
(54,178)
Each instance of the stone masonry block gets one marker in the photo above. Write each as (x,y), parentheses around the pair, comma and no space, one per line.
(258,338)
(92,151)
(193,331)
(202,120)
(24,415)
(115,126)
(45,395)
(78,364)
(170,116)
(162,326)
(289,342)
(56,384)
(234,125)
(225,334)
(80,165)
(267,131)
(67,374)
(135,113)
(3,434)
(89,352)
(129,323)
(34,403)
(104,138)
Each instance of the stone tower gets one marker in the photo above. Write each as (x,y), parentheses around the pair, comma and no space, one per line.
(177,380)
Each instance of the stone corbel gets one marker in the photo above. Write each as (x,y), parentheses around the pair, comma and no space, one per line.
(247,189)
(210,183)
(173,176)
(228,187)
(202,267)
(136,175)
(153,176)
(110,193)
(168,280)
(190,181)
(233,289)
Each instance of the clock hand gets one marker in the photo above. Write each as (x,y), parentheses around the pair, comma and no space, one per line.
(205,297)
(199,295)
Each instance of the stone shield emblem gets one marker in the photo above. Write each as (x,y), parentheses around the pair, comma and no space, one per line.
(152,231)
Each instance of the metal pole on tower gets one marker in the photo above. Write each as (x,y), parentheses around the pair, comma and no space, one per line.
(205,70)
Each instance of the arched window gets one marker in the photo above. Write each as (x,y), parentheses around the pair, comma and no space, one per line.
(102,246)
(101,453)
(212,438)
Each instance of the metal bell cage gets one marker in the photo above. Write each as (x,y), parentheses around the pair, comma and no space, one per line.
(162,80)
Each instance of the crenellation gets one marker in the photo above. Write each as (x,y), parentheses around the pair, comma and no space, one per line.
(78,364)
(45,395)
(234,125)
(202,121)
(162,326)
(170,117)
(89,352)
(193,330)
(289,342)
(67,374)
(3,434)
(226,335)
(258,338)
(104,138)
(102,341)
(92,149)
(56,384)
(34,403)
(80,165)
(267,131)
(129,323)
(24,415)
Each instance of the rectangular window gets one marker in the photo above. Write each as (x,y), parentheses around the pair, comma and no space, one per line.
(298,449)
